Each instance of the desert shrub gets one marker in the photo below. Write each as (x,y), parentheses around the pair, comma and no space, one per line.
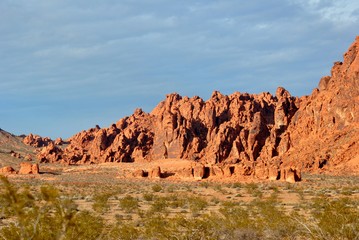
(270,220)
(204,184)
(197,204)
(274,188)
(171,188)
(300,193)
(336,219)
(236,185)
(123,231)
(85,226)
(101,202)
(235,218)
(215,200)
(157,227)
(129,203)
(193,228)
(347,191)
(148,197)
(156,188)
(252,188)
(219,188)
(159,206)
(176,201)
(45,215)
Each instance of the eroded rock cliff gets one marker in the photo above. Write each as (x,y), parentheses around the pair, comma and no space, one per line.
(259,133)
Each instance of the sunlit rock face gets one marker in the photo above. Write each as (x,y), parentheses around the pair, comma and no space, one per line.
(259,134)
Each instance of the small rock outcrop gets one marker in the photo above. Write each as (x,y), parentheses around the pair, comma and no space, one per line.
(198,171)
(138,173)
(36,140)
(50,154)
(15,154)
(58,141)
(7,170)
(290,174)
(28,168)
(155,173)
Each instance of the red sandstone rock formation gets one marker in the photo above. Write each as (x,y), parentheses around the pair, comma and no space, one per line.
(7,170)
(155,173)
(198,171)
(58,141)
(28,168)
(50,154)
(290,174)
(138,173)
(223,129)
(36,140)
(324,132)
(255,133)
(185,173)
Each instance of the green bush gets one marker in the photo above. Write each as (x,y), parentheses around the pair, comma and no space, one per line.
(159,205)
(156,188)
(196,204)
(129,204)
(336,219)
(148,197)
(46,216)
(123,231)
(101,202)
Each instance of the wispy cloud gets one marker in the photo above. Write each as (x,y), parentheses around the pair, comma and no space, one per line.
(338,12)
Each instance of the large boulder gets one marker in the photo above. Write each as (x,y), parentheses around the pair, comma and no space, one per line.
(7,170)
(155,172)
(28,168)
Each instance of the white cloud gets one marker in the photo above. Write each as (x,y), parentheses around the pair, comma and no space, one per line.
(337,12)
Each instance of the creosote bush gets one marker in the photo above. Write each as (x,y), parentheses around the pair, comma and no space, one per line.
(101,202)
(156,188)
(129,203)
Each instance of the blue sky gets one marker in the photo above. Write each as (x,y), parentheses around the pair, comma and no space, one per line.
(67,65)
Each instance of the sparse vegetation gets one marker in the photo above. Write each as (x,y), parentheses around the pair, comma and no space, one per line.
(156,188)
(129,204)
(146,211)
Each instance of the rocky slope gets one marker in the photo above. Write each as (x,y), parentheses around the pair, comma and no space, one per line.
(314,133)
(324,131)
(13,150)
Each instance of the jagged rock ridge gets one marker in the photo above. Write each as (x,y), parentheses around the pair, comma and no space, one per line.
(311,132)
(238,127)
